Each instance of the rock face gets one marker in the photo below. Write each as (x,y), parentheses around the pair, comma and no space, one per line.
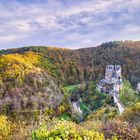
(38,92)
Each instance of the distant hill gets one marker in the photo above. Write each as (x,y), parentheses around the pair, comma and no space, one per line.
(38,72)
(126,54)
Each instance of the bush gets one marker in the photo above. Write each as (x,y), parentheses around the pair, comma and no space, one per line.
(5,127)
(127,95)
(103,113)
(121,130)
(12,131)
(132,115)
(64,130)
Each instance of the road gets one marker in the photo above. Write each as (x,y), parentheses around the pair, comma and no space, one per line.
(77,108)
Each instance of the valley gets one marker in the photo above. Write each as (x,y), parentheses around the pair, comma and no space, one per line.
(46,88)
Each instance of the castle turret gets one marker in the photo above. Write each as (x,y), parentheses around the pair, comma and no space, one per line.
(116,76)
(117,69)
(109,73)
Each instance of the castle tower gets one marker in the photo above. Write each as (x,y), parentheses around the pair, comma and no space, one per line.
(117,69)
(109,73)
(116,76)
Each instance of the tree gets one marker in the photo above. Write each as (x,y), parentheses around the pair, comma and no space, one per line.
(127,95)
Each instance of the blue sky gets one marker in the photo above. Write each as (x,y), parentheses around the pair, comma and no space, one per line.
(67,23)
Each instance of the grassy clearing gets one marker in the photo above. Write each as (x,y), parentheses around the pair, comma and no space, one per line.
(70,88)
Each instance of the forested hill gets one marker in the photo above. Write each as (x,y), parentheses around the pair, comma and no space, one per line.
(74,66)
(37,74)
(126,54)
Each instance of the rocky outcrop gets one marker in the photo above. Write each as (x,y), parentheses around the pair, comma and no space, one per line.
(38,91)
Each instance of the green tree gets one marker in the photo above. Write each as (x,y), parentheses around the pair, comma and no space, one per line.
(127,94)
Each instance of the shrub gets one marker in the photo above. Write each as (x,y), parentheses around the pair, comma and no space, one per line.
(103,113)
(121,130)
(132,115)
(64,130)
(127,95)
(12,131)
(5,127)
(19,131)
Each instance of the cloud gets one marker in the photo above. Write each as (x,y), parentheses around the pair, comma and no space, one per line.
(8,38)
(68,23)
(131,29)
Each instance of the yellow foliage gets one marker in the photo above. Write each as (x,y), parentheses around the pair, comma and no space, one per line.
(64,130)
(61,109)
(14,65)
(12,131)
(4,127)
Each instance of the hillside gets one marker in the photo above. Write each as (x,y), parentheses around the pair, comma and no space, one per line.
(43,89)
(24,85)
(126,54)
(39,72)
(75,66)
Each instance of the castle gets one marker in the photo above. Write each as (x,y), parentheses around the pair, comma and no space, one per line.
(112,81)
(112,84)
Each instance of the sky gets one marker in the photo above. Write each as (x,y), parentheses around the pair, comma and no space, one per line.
(67,23)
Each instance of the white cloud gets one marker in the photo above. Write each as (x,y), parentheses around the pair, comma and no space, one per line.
(84,21)
(20,25)
(8,38)
(131,29)
(88,7)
